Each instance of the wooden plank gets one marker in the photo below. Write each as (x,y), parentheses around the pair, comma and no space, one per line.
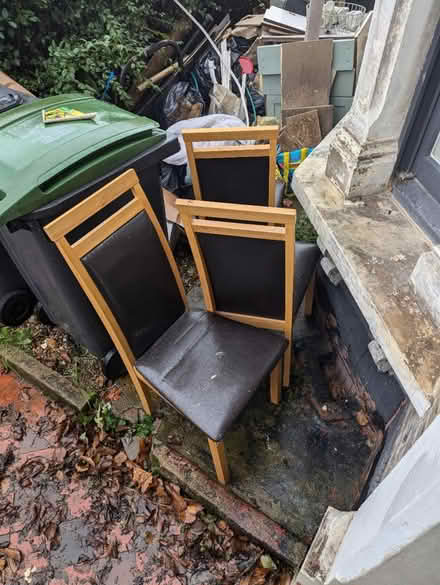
(70,219)
(171,211)
(272,85)
(253,151)
(12,84)
(273,106)
(242,230)
(306,73)
(233,211)
(304,130)
(343,54)
(343,85)
(221,134)
(325,114)
(269,60)
(285,19)
(255,321)
(101,232)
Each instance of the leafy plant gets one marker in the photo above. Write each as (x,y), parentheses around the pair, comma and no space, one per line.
(17,337)
(59,46)
(100,413)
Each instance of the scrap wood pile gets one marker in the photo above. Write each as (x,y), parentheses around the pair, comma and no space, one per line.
(74,506)
(304,86)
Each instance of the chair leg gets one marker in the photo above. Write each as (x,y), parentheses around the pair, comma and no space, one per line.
(142,390)
(220,462)
(287,365)
(309,297)
(275,384)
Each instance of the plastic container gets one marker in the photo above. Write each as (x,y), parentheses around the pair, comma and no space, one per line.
(23,235)
(16,299)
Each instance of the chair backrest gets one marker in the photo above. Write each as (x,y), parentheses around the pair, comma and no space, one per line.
(233,174)
(246,269)
(123,263)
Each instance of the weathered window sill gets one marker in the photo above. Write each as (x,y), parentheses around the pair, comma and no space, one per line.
(375,247)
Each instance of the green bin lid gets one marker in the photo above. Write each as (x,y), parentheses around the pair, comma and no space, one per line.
(41,162)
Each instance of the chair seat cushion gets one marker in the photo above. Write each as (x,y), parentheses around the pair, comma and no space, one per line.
(208,367)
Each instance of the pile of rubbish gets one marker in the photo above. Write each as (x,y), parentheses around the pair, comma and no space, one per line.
(259,71)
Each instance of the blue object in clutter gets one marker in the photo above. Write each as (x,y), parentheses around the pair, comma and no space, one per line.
(289,161)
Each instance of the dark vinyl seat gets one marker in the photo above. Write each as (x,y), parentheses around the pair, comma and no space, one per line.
(209,367)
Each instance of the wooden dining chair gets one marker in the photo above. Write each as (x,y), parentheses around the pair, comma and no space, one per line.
(233,174)
(204,364)
(246,175)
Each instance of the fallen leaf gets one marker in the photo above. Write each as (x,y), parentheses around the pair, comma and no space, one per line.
(189,515)
(120,458)
(179,502)
(65,357)
(259,576)
(2,564)
(144,479)
(362,419)
(113,394)
(51,342)
(11,553)
(85,465)
(50,534)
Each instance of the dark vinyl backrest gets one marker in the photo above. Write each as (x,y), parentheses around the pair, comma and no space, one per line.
(233,174)
(246,269)
(125,266)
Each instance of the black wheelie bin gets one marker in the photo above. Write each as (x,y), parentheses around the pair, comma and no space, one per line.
(16,299)
(63,164)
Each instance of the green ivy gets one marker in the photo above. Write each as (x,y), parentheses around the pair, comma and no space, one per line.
(58,46)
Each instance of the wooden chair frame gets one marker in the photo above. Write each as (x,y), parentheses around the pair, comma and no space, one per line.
(260,133)
(282,228)
(60,227)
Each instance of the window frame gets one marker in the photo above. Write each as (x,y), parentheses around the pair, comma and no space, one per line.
(417,185)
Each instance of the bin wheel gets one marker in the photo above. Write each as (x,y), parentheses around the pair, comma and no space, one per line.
(42,316)
(113,366)
(16,307)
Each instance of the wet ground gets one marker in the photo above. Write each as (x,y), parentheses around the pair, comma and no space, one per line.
(74,510)
(293,460)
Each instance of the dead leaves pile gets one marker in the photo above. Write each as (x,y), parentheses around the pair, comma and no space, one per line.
(131,508)
(9,562)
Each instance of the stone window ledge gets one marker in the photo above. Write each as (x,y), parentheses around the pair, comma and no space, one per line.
(375,247)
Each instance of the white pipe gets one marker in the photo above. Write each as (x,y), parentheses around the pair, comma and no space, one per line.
(213,45)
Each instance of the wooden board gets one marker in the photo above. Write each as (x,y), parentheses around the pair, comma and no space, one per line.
(9,82)
(343,84)
(171,211)
(304,130)
(325,114)
(284,18)
(306,73)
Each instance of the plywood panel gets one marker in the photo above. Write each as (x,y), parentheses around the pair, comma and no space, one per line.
(304,130)
(343,85)
(306,73)
(325,114)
